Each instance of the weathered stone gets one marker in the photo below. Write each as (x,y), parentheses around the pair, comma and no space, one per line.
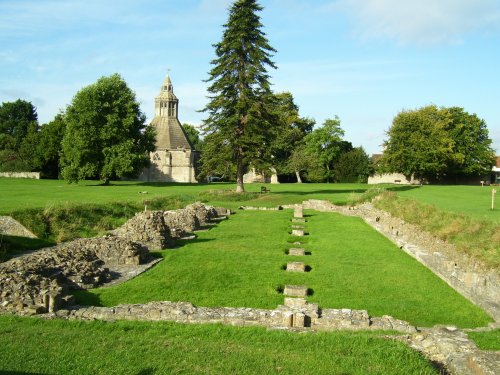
(295,302)
(298,211)
(298,232)
(296,267)
(295,251)
(298,220)
(295,290)
(147,228)
(298,227)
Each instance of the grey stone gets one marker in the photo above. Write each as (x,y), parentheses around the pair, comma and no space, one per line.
(296,267)
(295,291)
(295,251)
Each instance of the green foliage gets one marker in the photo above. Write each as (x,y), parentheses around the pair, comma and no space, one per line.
(239,114)
(193,135)
(289,133)
(478,238)
(49,147)
(18,128)
(437,143)
(228,266)
(472,150)
(324,145)
(30,345)
(352,166)
(486,340)
(105,133)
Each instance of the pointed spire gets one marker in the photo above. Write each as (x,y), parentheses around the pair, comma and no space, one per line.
(167,84)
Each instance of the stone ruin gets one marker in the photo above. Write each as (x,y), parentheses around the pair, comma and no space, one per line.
(40,282)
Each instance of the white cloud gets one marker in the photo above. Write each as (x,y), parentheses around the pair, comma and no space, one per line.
(423,22)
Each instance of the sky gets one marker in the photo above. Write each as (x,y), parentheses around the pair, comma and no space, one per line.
(361,60)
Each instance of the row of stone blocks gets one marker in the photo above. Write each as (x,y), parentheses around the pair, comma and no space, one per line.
(300,314)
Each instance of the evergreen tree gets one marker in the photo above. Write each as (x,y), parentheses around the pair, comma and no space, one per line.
(239,110)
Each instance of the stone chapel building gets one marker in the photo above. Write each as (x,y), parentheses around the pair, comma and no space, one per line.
(174,157)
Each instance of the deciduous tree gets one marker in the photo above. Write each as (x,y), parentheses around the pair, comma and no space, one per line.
(17,120)
(437,143)
(105,133)
(325,144)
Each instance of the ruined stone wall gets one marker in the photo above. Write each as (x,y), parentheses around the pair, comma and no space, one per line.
(39,282)
(463,273)
(307,316)
(147,228)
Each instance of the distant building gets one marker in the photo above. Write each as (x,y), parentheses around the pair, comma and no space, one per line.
(174,157)
(496,170)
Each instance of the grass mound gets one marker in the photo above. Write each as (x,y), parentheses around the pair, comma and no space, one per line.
(59,223)
(476,237)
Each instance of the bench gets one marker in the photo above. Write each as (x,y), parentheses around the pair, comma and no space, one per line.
(263,189)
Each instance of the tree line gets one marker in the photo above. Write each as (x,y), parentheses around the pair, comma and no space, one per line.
(102,134)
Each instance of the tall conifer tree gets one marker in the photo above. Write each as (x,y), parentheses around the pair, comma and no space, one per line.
(239,112)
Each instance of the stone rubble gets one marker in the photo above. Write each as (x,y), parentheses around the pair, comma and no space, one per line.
(452,348)
(39,282)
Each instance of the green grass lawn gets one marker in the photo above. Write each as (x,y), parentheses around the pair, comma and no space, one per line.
(486,340)
(239,263)
(67,347)
(474,201)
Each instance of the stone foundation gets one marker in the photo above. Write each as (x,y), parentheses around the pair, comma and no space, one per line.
(39,282)
(295,316)
(464,274)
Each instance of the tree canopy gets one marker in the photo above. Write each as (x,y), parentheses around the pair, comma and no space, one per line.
(18,125)
(290,132)
(437,144)
(323,146)
(105,133)
(240,98)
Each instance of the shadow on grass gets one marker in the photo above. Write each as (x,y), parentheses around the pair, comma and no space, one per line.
(181,243)
(85,298)
(11,246)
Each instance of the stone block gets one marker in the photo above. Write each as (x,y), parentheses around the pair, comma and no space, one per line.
(298,212)
(295,290)
(295,251)
(299,320)
(295,302)
(298,220)
(298,227)
(298,232)
(296,267)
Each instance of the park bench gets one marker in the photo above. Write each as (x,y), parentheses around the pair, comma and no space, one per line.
(263,189)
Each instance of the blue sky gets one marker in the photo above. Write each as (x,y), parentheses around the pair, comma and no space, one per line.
(362,60)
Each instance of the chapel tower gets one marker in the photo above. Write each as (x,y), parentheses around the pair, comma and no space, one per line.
(173,159)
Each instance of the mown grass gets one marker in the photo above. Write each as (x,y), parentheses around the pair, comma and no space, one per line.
(29,345)
(479,238)
(486,340)
(472,201)
(239,263)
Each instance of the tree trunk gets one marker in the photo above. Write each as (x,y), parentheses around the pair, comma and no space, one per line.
(239,178)
(299,180)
